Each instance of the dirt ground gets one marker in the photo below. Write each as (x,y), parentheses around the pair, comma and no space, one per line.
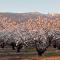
(8,54)
(31,58)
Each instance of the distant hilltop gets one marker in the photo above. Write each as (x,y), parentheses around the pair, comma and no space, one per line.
(30,15)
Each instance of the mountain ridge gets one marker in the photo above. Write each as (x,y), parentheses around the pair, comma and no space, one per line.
(25,16)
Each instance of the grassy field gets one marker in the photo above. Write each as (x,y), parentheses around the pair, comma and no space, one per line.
(29,53)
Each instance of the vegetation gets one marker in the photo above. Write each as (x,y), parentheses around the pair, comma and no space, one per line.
(38,32)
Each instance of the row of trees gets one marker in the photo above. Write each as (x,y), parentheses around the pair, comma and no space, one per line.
(29,34)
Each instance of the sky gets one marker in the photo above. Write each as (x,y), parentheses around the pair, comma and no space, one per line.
(22,6)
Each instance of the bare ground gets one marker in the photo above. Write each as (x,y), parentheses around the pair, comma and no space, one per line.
(9,54)
(31,58)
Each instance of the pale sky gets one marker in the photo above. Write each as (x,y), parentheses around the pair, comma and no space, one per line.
(22,6)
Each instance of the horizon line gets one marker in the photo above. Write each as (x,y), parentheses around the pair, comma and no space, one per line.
(30,12)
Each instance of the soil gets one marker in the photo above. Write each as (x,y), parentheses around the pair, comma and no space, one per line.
(31,58)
